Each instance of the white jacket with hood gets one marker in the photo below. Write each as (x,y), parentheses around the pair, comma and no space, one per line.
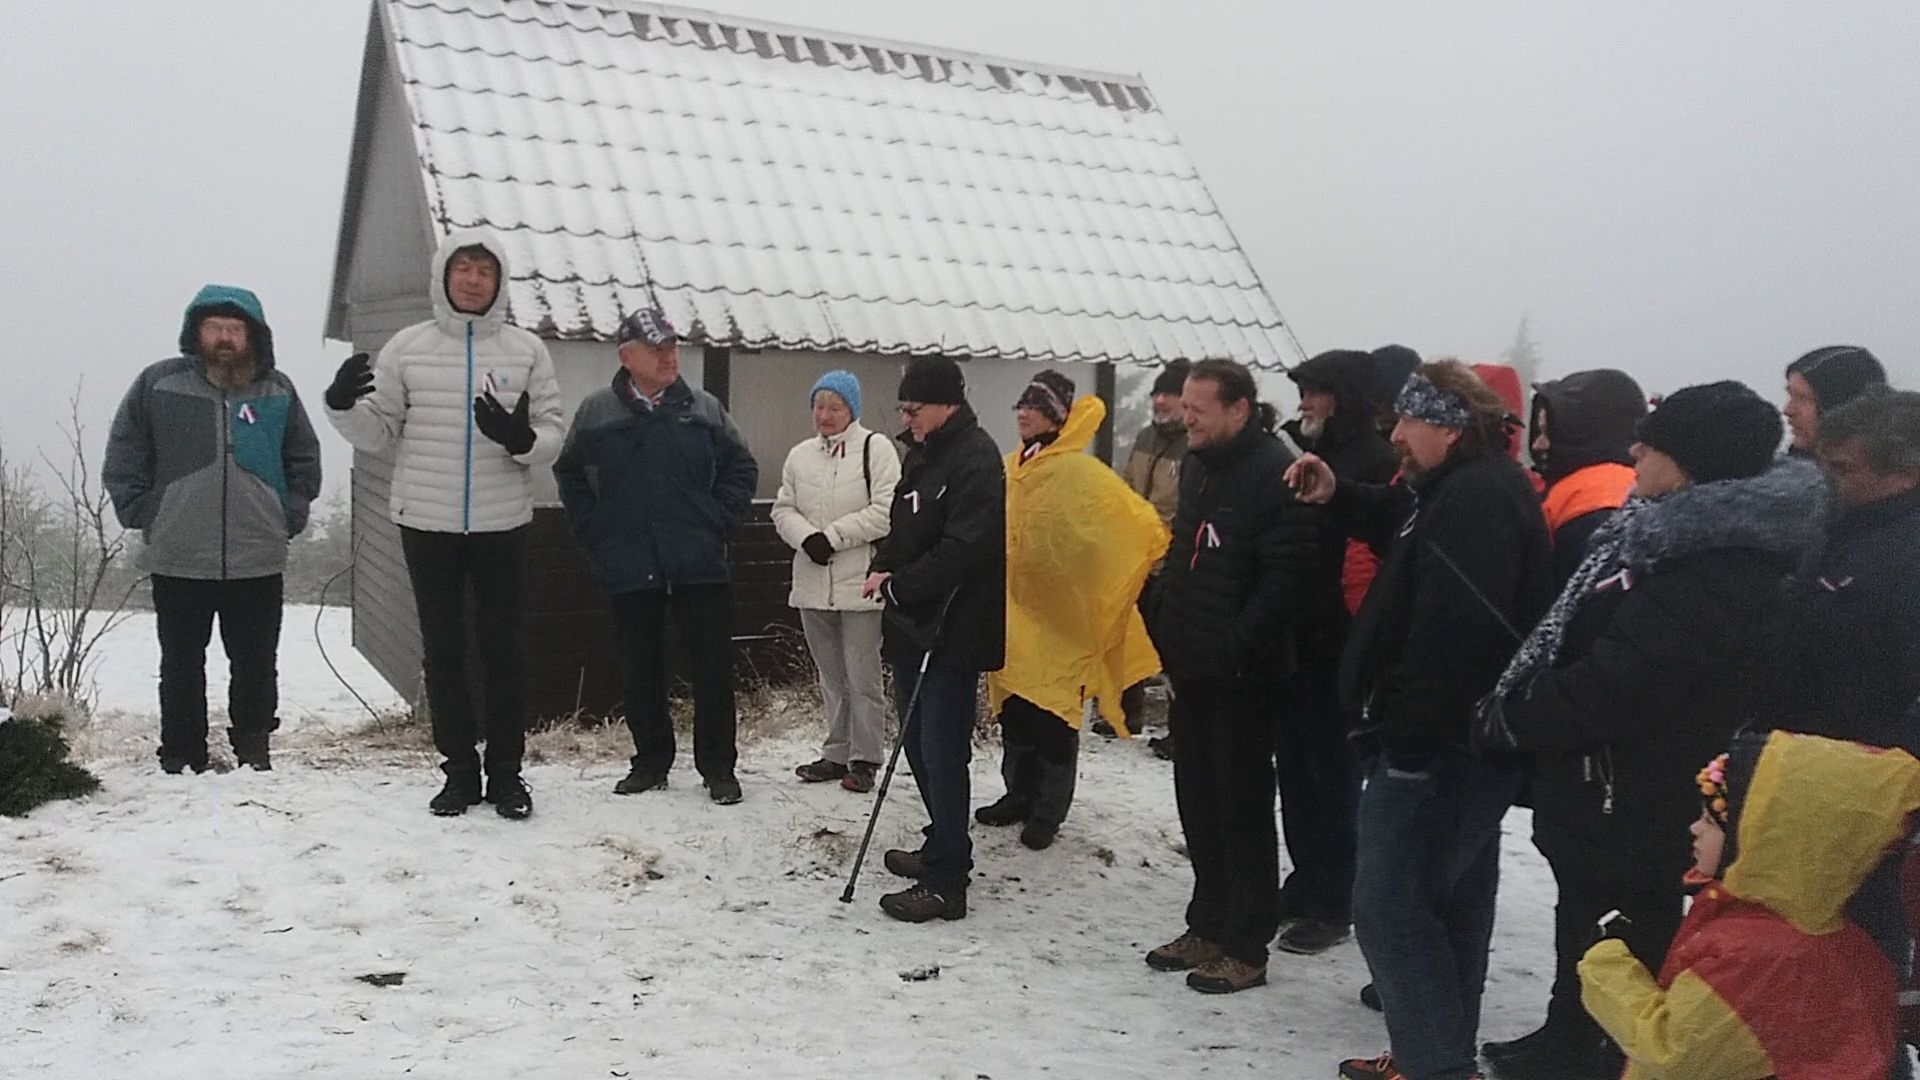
(840,485)
(447,475)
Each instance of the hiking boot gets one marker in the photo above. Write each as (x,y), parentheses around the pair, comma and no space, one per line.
(510,798)
(921,904)
(251,751)
(724,790)
(860,777)
(1533,1041)
(1105,729)
(1561,1057)
(1184,953)
(176,766)
(1370,997)
(1162,746)
(1380,1068)
(1039,835)
(641,778)
(1225,975)
(906,864)
(821,771)
(1311,937)
(1009,809)
(459,792)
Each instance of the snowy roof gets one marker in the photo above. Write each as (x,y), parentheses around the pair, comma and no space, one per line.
(775,187)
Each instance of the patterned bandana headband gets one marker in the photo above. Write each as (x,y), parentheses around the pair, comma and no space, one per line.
(1422,400)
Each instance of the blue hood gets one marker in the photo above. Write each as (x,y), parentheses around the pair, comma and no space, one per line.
(228,300)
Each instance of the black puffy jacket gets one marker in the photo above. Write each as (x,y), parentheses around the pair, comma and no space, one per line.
(949,537)
(653,491)
(1662,658)
(1468,568)
(1851,652)
(1241,565)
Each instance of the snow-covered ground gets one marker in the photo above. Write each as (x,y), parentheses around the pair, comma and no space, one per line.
(218,926)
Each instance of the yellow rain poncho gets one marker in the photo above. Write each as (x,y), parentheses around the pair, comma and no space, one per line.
(1079,546)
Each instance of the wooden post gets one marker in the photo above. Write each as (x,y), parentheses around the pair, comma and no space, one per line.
(1105,385)
(716,378)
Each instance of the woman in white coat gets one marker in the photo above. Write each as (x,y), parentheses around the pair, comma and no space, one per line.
(835,493)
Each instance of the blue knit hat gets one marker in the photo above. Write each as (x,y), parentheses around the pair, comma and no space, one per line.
(842,383)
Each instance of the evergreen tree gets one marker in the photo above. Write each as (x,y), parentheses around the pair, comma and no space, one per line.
(33,765)
(1523,355)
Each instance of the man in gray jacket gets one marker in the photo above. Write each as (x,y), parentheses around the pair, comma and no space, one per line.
(212,458)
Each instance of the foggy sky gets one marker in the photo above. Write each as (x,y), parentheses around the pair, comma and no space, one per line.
(1687,191)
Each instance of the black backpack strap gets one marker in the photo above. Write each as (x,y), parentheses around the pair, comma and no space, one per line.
(866,462)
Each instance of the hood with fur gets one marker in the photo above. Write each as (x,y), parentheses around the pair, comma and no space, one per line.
(1781,512)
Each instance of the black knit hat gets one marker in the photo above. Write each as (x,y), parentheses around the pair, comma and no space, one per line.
(1838,373)
(1719,431)
(1172,378)
(1050,394)
(933,380)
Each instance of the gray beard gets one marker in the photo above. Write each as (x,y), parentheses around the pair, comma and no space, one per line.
(1312,427)
(234,374)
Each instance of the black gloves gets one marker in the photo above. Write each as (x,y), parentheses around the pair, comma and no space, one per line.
(352,382)
(818,548)
(1612,925)
(510,429)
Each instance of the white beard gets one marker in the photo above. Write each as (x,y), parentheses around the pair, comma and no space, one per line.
(1312,427)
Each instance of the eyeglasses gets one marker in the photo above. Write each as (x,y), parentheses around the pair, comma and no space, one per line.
(911,411)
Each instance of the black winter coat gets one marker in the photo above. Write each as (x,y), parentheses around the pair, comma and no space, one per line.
(1851,652)
(1426,645)
(652,492)
(1354,449)
(1660,662)
(949,533)
(1240,568)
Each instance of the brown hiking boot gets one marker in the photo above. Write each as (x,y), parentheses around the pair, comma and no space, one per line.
(1225,975)
(1183,953)
(903,863)
(821,771)
(921,904)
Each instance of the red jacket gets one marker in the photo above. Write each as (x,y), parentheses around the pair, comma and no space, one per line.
(1766,978)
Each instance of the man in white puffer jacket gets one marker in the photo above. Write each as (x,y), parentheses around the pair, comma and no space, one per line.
(468,406)
(836,496)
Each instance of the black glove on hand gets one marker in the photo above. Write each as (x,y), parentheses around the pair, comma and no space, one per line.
(352,382)
(1612,925)
(510,429)
(818,548)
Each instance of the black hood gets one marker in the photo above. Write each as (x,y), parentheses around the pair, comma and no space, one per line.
(1592,419)
(1349,376)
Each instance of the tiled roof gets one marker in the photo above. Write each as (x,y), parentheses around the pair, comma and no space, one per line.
(773,187)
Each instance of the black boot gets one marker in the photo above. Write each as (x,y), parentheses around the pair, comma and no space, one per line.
(922,904)
(510,797)
(1562,1054)
(461,790)
(1017,766)
(251,750)
(1052,795)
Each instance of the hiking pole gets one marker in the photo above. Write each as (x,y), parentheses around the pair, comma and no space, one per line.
(899,743)
(886,781)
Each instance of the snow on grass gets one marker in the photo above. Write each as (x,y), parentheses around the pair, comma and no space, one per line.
(218,926)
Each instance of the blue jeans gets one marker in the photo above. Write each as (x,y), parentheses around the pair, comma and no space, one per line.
(939,749)
(1879,909)
(1423,898)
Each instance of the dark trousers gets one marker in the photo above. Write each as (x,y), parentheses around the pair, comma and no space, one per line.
(1584,898)
(703,615)
(1880,910)
(1223,784)
(1319,777)
(1040,759)
(1423,901)
(939,738)
(249,612)
(445,569)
